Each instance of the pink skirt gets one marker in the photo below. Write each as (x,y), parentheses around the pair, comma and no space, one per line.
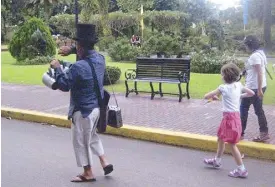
(230,128)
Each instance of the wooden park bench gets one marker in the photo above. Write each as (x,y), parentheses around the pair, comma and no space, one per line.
(160,70)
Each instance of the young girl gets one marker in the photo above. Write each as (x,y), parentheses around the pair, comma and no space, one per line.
(230,128)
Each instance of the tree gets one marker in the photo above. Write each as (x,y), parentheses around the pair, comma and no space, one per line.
(64,8)
(4,17)
(96,7)
(134,5)
(11,14)
(232,19)
(47,5)
(166,4)
(267,23)
(215,32)
(199,10)
(256,8)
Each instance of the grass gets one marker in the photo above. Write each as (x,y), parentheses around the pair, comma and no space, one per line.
(199,84)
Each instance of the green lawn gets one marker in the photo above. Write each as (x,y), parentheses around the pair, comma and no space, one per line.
(199,84)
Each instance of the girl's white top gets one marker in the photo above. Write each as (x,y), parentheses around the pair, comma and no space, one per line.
(231,96)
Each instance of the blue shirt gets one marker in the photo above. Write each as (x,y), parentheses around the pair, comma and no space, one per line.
(79,80)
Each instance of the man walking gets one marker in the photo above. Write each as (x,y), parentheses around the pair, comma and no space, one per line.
(84,108)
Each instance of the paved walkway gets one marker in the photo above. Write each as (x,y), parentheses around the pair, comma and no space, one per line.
(166,113)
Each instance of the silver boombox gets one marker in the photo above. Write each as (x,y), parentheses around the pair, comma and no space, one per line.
(48,77)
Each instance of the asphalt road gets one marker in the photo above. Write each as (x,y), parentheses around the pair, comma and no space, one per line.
(35,155)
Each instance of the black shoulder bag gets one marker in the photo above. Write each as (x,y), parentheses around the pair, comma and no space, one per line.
(109,115)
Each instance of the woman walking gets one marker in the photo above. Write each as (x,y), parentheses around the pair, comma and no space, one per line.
(255,79)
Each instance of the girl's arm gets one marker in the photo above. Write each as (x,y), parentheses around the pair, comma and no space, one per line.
(212,94)
(248,92)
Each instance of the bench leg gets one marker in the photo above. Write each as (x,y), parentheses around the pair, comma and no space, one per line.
(180,92)
(160,90)
(187,90)
(127,88)
(152,91)
(136,91)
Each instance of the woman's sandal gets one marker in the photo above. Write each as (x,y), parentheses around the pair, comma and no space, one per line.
(108,169)
(81,178)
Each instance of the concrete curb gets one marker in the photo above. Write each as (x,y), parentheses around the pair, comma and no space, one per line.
(195,141)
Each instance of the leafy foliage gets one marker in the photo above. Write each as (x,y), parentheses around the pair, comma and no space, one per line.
(169,45)
(46,4)
(211,62)
(105,42)
(165,20)
(166,5)
(28,41)
(39,60)
(134,5)
(63,24)
(119,21)
(199,10)
(121,50)
(114,75)
(215,32)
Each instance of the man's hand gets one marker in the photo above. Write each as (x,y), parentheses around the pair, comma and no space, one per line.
(55,64)
(260,93)
(64,50)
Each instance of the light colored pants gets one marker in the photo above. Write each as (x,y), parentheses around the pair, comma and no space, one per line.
(85,139)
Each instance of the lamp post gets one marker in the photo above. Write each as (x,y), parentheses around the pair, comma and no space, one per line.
(245,13)
(76,19)
(141,21)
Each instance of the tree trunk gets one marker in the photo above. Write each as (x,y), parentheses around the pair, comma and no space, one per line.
(47,11)
(3,37)
(267,23)
(37,13)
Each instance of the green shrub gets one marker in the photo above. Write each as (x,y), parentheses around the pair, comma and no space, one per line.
(165,20)
(39,60)
(31,40)
(121,50)
(197,43)
(105,42)
(114,75)
(170,45)
(211,62)
(63,24)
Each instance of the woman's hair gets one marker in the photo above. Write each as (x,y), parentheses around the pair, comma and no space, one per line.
(252,42)
(231,72)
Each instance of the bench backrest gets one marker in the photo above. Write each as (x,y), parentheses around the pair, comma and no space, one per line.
(165,68)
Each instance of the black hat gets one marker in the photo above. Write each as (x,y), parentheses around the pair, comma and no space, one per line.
(86,33)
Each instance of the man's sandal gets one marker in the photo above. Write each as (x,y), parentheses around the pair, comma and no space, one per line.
(108,169)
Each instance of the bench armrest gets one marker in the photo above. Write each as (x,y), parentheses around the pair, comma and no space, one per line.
(130,74)
(183,76)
